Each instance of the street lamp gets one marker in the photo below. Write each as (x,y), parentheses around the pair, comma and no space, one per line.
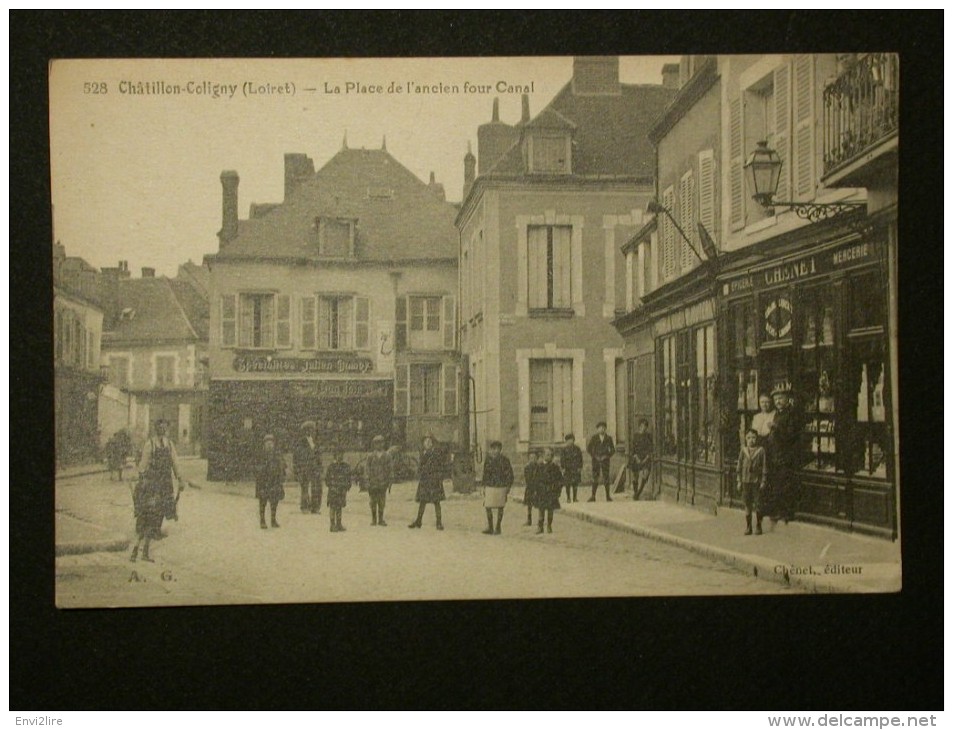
(763,171)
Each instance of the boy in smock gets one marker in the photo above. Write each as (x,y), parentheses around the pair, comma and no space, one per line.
(752,478)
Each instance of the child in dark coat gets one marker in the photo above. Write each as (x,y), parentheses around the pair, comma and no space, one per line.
(338,480)
(549,481)
(531,480)
(571,462)
(497,480)
(268,482)
(752,477)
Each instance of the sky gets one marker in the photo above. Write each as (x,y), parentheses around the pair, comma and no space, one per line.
(135,176)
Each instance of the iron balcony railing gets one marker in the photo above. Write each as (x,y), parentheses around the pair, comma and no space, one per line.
(861,108)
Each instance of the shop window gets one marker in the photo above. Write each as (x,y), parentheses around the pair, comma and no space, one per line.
(549,260)
(817,378)
(705,405)
(866,383)
(550,400)
(667,411)
(867,302)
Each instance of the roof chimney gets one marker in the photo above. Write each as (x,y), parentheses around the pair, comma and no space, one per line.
(593,75)
(436,188)
(469,171)
(148,272)
(494,138)
(298,168)
(525,117)
(496,109)
(670,73)
(229,230)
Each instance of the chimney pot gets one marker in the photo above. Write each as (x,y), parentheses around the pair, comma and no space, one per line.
(525,117)
(229,230)
(496,109)
(148,272)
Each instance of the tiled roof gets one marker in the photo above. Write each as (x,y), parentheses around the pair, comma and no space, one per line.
(611,130)
(398,216)
(149,311)
(194,304)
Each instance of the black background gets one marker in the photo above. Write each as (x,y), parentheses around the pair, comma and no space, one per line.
(785,652)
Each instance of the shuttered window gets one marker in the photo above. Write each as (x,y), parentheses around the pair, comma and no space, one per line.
(803,127)
(256,326)
(335,323)
(706,192)
(425,389)
(549,257)
(736,184)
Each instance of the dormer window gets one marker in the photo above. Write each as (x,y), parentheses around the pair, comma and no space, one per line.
(549,152)
(336,236)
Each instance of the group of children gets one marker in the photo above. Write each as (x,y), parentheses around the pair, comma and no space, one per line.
(270,476)
(544,480)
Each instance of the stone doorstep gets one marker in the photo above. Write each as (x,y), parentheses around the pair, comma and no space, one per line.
(92,537)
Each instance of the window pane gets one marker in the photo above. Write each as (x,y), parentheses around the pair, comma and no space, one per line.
(433,313)
(540,400)
(561,264)
(538,263)
(867,301)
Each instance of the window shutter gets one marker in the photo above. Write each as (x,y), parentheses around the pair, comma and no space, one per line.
(449,390)
(346,323)
(362,323)
(324,323)
(400,330)
(308,329)
(401,389)
(229,323)
(687,220)
(449,322)
(706,192)
(283,321)
(668,248)
(562,267)
(537,256)
(782,128)
(804,127)
(736,182)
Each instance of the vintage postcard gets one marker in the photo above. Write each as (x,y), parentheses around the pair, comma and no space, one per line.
(474,328)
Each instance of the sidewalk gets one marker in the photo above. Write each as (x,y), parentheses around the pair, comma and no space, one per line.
(75,536)
(820,559)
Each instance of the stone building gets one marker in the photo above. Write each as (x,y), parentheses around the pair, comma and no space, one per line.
(337,305)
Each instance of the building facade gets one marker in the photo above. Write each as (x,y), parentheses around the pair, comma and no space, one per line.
(337,305)
(77,334)
(547,204)
(782,299)
(155,355)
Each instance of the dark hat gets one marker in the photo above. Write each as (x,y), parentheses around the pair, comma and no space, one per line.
(496,445)
(162,421)
(781,388)
(601,423)
(569,436)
